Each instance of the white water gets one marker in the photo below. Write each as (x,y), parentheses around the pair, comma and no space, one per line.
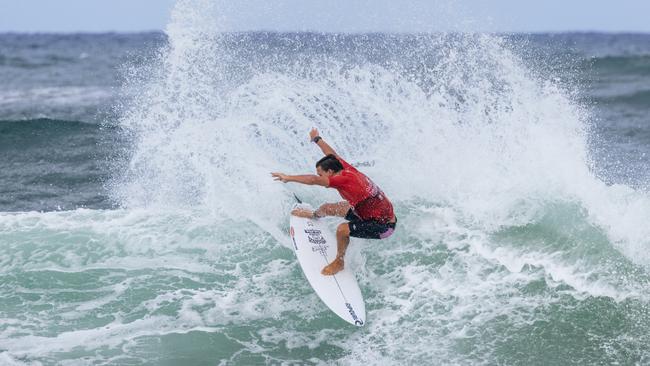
(486,137)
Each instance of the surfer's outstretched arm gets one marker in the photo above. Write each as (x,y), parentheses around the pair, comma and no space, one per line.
(309,179)
(325,148)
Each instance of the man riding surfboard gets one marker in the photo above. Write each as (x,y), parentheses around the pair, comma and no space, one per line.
(366,208)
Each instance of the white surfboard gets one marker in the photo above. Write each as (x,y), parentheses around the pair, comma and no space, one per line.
(315,247)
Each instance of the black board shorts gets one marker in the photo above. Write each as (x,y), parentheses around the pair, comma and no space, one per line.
(368,229)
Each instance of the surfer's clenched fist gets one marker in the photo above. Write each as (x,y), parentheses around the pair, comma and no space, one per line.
(313,134)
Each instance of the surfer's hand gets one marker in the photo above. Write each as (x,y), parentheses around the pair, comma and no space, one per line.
(281,177)
(313,133)
(301,212)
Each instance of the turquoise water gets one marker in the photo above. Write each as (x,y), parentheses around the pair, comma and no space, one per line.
(144,287)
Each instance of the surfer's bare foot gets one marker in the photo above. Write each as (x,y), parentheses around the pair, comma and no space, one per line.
(333,268)
(301,212)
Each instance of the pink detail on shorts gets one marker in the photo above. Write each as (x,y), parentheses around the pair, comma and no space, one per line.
(386,233)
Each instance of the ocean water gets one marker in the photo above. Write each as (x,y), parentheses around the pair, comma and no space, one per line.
(139,223)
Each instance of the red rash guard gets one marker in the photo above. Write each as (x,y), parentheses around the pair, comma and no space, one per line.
(369,202)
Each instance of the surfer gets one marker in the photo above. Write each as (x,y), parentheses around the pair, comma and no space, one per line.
(366,208)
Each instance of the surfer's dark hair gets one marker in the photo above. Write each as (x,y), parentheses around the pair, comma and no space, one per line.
(330,162)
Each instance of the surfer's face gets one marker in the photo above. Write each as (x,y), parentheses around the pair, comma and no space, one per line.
(324,173)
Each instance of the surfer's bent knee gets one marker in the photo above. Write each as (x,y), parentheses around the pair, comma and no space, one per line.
(343,229)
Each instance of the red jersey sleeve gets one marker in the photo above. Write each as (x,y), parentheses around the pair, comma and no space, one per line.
(338,181)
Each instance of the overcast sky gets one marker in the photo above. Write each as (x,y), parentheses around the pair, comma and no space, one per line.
(336,15)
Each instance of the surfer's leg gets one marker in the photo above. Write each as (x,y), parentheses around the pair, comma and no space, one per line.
(333,209)
(342,242)
(327,209)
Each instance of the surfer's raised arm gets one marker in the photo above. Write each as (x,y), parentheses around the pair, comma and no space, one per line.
(323,177)
(325,148)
